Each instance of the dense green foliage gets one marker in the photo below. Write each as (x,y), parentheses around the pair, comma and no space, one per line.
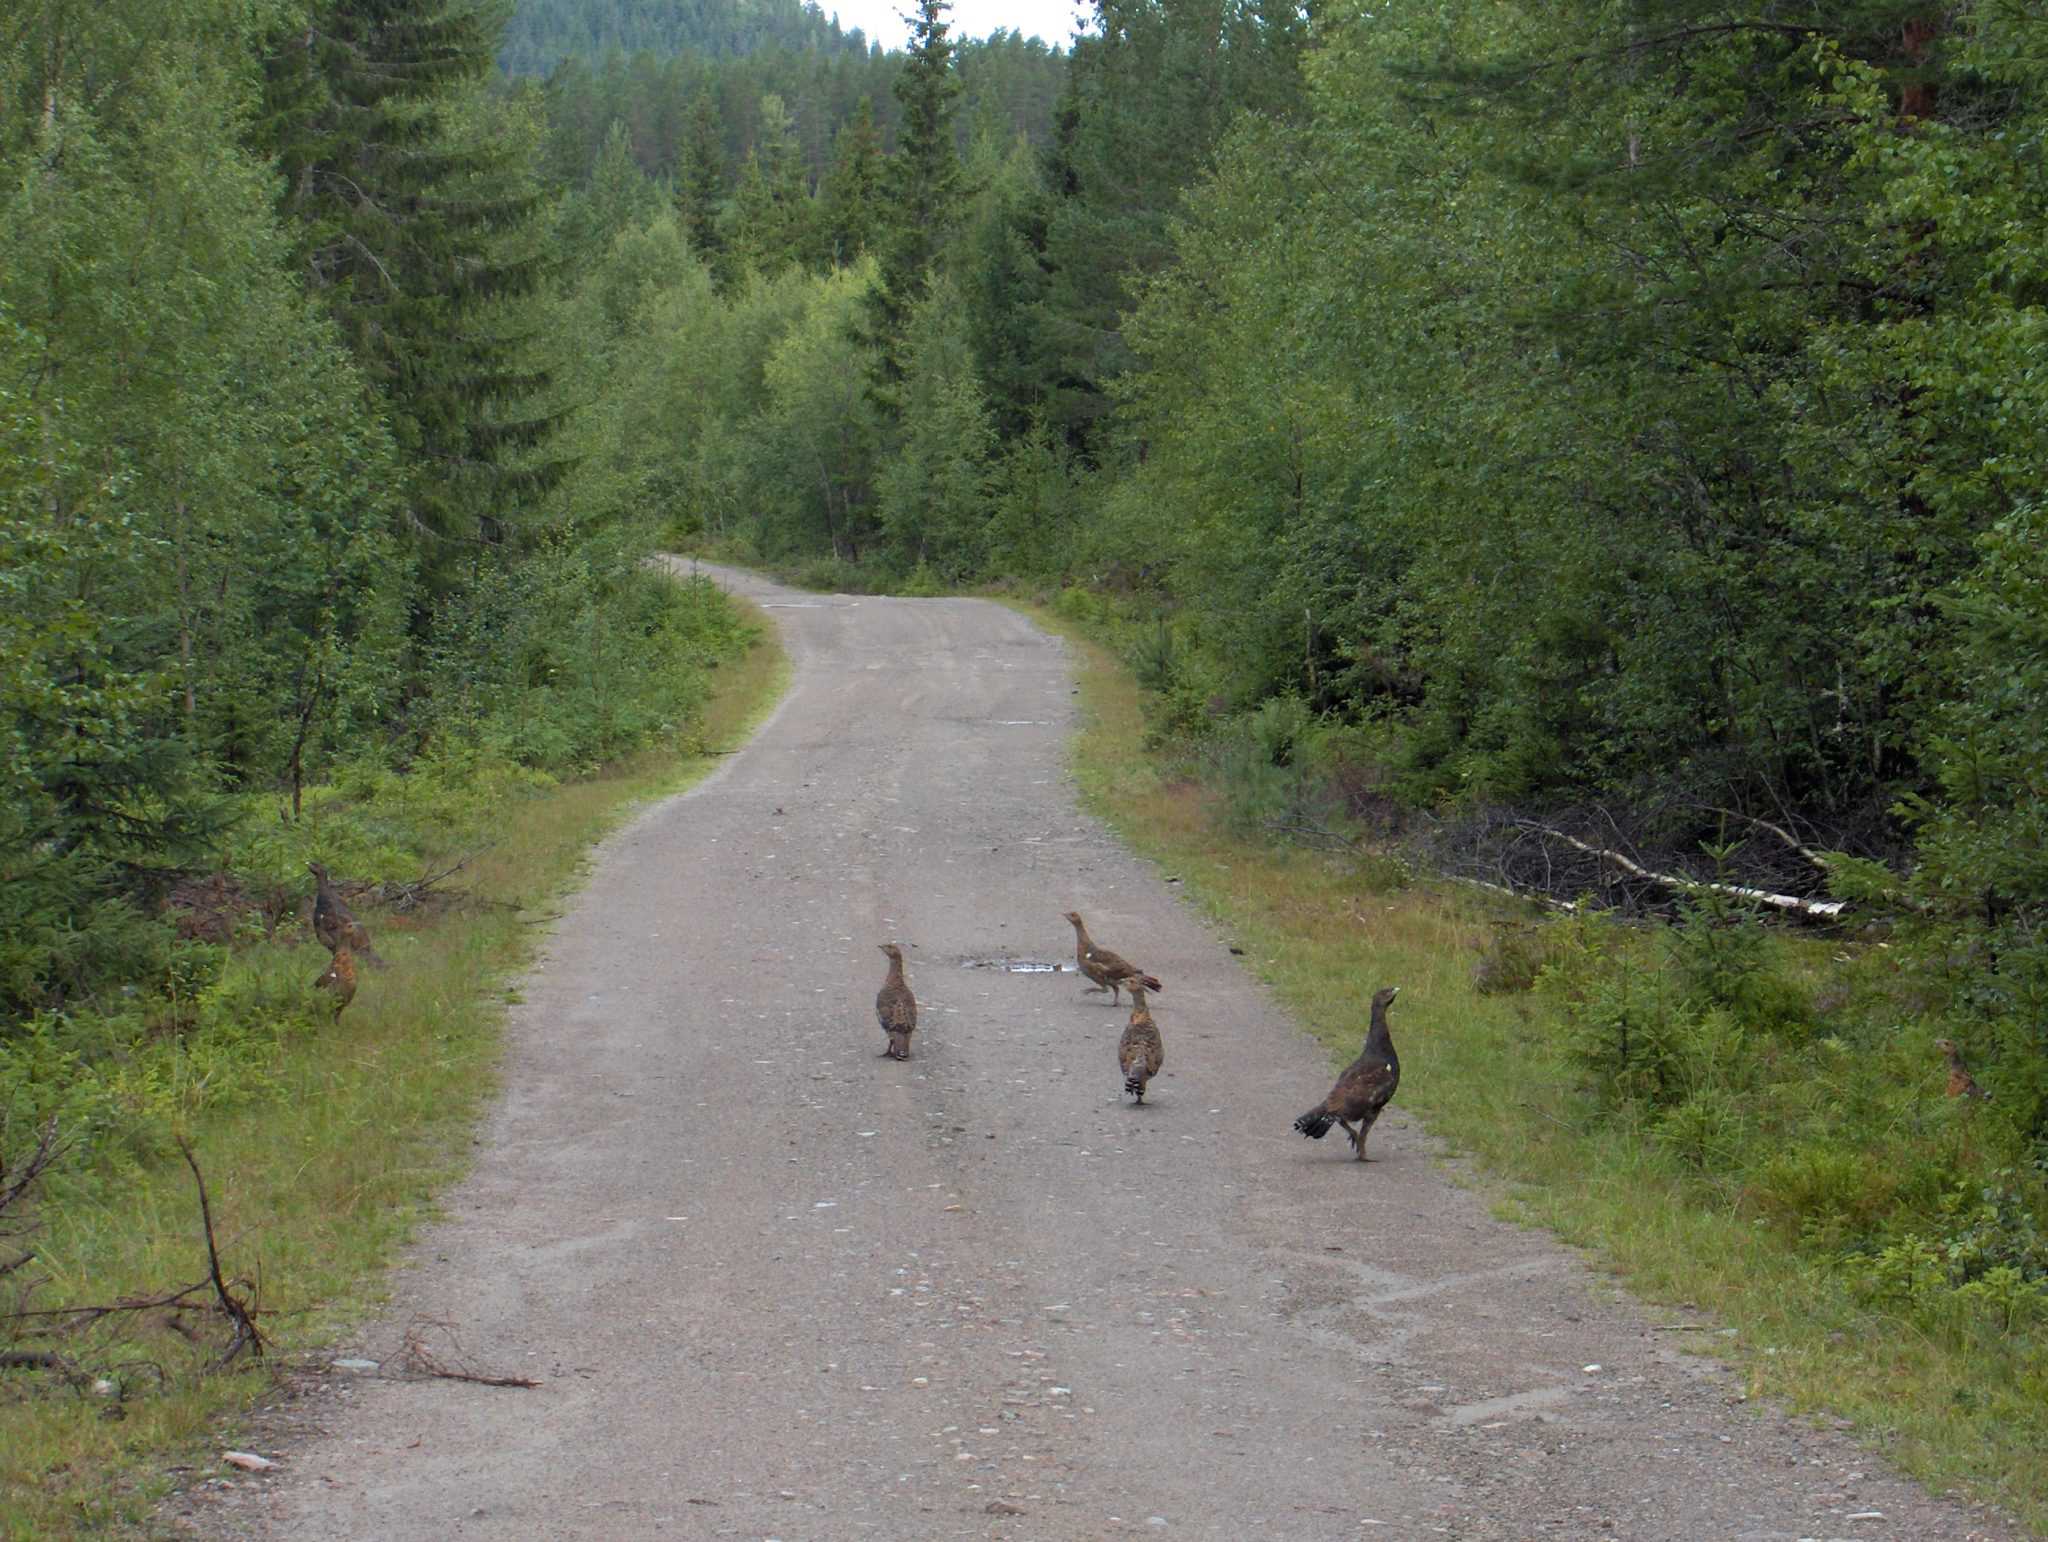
(281,490)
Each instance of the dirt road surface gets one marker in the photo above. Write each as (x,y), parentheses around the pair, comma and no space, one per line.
(776,1286)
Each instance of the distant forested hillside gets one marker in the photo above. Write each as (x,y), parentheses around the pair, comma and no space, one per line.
(722,109)
(542,33)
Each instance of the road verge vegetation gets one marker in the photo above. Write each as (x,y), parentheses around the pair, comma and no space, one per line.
(322,1141)
(1753,1123)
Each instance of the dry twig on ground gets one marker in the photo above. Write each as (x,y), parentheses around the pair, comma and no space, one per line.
(421,1360)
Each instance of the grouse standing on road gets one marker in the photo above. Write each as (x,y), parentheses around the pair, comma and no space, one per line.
(340,978)
(1140,1052)
(1365,1087)
(895,1007)
(333,922)
(1108,970)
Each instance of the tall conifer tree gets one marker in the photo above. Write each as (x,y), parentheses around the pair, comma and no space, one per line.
(850,198)
(415,236)
(923,189)
(700,182)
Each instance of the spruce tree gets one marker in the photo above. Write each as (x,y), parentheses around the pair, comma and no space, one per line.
(923,187)
(700,183)
(1147,99)
(416,234)
(771,207)
(850,198)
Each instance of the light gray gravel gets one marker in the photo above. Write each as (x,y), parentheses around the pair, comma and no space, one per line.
(776,1286)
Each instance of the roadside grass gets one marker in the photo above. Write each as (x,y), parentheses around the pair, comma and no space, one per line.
(323,1170)
(1488,1074)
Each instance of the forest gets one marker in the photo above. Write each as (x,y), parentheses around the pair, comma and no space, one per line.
(1595,451)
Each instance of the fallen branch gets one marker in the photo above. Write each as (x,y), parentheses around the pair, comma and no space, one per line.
(1567,907)
(32,1360)
(422,1361)
(1312,834)
(247,1335)
(1792,904)
(78,1317)
(404,896)
(15,1182)
(1779,831)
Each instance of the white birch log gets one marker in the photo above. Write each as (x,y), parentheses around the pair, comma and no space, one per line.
(1791,904)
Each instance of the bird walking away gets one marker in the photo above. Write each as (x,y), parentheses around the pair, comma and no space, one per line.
(895,1007)
(334,923)
(1961,1084)
(1108,970)
(1366,1086)
(340,978)
(1140,1051)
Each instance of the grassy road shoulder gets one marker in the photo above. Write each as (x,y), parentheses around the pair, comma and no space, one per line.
(322,1157)
(1489,1076)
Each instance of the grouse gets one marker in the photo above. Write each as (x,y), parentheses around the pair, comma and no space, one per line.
(1140,1052)
(895,1007)
(333,922)
(1961,1084)
(1366,1086)
(1108,970)
(340,978)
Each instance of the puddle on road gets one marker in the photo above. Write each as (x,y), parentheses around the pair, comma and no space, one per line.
(1019,965)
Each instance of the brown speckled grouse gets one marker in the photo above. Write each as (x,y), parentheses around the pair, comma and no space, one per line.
(1366,1086)
(1108,970)
(895,1007)
(1961,1084)
(1140,1052)
(340,978)
(334,923)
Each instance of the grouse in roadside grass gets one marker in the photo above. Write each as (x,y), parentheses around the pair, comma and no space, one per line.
(1961,1084)
(895,1007)
(1366,1086)
(1108,970)
(334,923)
(340,978)
(1140,1051)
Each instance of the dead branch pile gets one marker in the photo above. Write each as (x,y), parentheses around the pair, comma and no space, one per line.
(217,907)
(1645,862)
(425,893)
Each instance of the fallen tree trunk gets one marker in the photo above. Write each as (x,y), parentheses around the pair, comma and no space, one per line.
(1790,904)
(1567,907)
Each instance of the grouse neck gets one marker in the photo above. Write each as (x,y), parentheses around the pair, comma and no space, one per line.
(1379,1039)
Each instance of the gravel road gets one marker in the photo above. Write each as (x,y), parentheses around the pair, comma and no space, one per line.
(776,1286)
